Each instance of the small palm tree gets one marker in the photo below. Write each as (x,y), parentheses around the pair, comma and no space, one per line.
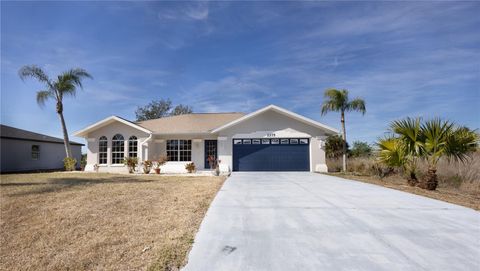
(338,101)
(441,138)
(65,85)
(402,148)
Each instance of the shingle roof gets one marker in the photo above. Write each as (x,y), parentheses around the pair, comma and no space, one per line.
(15,133)
(189,123)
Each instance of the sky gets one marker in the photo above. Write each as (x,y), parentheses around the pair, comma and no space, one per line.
(417,59)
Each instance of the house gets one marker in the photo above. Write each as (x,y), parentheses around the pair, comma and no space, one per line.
(23,150)
(270,139)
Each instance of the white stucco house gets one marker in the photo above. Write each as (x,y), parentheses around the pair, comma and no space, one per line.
(269,139)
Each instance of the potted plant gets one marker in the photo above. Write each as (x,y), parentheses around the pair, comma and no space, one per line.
(211,161)
(131,163)
(190,167)
(147,166)
(160,162)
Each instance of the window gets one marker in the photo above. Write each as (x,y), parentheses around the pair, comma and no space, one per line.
(255,141)
(179,150)
(118,149)
(284,141)
(275,141)
(303,141)
(35,152)
(293,141)
(237,141)
(247,141)
(265,141)
(102,150)
(132,146)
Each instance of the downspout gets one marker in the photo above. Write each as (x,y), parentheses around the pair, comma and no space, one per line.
(144,142)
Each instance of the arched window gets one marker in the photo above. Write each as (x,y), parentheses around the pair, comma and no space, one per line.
(102,150)
(132,146)
(118,149)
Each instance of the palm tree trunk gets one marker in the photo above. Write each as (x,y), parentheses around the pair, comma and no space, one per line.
(66,141)
(344,137)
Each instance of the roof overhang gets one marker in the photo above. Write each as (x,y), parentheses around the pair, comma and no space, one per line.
(281,111)
(107,121)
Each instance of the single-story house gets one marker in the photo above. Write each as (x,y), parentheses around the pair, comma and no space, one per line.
(269,139)
(22,150)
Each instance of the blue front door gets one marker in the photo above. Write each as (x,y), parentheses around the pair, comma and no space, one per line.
(210,150)
(275,154)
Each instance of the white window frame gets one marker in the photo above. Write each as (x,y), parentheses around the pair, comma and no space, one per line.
(179,151)
(100,141)
(133,143)
(115,152)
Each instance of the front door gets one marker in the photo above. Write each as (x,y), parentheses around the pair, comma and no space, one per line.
(210,150)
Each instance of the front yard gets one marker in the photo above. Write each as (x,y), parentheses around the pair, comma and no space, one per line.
(83,221)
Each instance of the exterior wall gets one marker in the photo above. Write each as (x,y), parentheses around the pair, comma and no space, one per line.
(16,155)
(109,131)
(274,125)
(198,152)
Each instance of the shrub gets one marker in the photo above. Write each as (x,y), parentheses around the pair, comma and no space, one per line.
(190,167)
(147,166)
(334,146)
(131,163)
(69,163)
(83,162)
(160,161)
(361,149)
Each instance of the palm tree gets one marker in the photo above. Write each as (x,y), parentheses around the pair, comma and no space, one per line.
(403,147)
(338,101)
(412,140)
(65,85)
(442,138)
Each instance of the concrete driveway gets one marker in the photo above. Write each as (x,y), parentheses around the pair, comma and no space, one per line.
(308,221)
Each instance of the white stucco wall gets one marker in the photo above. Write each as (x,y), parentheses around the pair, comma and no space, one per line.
(16,155)
(267,124)
(109,131)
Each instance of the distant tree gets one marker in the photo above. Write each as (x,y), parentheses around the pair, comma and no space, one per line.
(338,101)
(64,85)
(334,146)
(159,109)
(181,109)
(360,149)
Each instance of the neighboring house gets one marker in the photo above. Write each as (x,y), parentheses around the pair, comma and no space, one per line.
(270,139)
(23,150)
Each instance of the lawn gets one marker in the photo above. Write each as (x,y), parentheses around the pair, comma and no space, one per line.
(83,221)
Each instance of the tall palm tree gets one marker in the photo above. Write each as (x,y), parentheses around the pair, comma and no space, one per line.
(65,85)
(338,101)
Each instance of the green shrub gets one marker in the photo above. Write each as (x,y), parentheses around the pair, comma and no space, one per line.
(83,162)
(69,163)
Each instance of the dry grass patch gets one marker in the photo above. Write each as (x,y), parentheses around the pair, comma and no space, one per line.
(81,221)
(445,193)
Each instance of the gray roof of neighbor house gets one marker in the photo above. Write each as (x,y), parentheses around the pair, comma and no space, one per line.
(189,123)
(15,133)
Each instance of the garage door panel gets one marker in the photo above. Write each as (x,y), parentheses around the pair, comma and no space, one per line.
(271,157)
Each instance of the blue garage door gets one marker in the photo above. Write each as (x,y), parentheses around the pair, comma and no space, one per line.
(275,154)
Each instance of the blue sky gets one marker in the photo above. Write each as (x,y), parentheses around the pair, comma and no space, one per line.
(404,59)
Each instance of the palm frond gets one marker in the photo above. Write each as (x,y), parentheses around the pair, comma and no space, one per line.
(35,72)
(43,96)
(357,105)
(392,151)
(75,76)
(335,100)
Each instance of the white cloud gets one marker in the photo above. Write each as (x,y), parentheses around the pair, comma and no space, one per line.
(197,10)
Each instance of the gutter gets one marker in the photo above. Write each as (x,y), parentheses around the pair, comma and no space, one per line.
(146,140)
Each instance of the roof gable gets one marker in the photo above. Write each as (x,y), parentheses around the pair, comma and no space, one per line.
(281,111)
(107,121)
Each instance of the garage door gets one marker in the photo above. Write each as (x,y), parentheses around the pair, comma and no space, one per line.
(275,154)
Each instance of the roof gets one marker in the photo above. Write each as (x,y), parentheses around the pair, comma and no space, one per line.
(15,133)
(189,123)
(281,111)
(104,122)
